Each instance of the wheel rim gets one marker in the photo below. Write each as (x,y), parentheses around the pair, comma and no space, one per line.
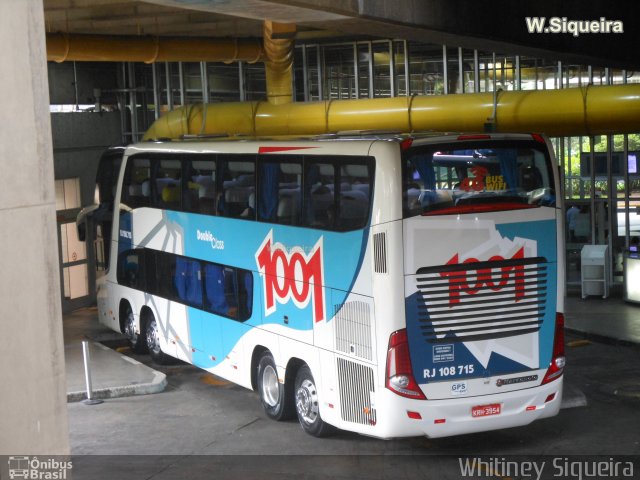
(130,328)
(152,337)
(270,386)
(307,401)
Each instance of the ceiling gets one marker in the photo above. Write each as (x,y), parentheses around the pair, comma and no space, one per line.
(121,17)
(239,18)
(455,23)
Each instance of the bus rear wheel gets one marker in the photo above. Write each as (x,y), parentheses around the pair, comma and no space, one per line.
(152,335)
(308,405)
(276,398)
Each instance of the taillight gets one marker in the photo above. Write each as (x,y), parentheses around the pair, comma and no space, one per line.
(538,138)
(399,376)
(481,208)
(474,137)
(557,359)
(406,144)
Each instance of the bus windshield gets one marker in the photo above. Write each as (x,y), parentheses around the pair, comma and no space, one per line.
(475,177)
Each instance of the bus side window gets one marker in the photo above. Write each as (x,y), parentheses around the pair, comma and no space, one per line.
(245,294)
(236,186)
(215,298)
(130,271)
(231,292)
(188,281)
(319,195)
(202,187)
(228,291)
(165,283)
(289,193)
(168,183)
(280,196)
(354,196)
(268,195)
(135,179)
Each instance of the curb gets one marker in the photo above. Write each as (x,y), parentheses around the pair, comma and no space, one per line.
(158,384)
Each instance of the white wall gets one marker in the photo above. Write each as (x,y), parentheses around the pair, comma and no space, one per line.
(33,410)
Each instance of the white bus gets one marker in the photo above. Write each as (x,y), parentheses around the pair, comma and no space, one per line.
(392,286)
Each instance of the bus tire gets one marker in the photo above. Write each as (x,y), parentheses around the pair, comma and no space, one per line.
(308,405)
(152,336)
(276,397)
(136,339)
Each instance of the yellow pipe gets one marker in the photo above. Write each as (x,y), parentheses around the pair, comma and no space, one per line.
(593,110)
(106,48)
(278,50)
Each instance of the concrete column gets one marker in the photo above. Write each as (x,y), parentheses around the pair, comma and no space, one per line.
(33,409)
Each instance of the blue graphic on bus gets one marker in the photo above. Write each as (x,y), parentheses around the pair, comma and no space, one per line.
(489,321)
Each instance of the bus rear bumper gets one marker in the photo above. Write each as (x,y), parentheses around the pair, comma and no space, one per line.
(442,418)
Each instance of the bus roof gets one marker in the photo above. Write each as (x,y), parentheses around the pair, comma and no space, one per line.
(212,143)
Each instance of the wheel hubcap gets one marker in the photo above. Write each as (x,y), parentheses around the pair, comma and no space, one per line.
(152,337)
(130,328)
(270,386)
(307,401)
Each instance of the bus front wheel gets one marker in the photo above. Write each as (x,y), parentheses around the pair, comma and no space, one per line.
(136,339)
(308,406)
(276,397)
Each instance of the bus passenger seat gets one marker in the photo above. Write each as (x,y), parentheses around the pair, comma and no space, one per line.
(180,278)
(207,194)
(135,190)
(171,196)
(362,187)
(187,281)
(135,197)
(236,199)
(248,293)
(146,193)
(352,210)
(190,198)
(530,178)
(287,210)
(214,289)
(194,285)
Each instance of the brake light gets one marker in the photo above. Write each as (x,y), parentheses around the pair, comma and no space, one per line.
(474,137)
(399,376)
(480,208)
(406,143)
(557,359)
(537,137)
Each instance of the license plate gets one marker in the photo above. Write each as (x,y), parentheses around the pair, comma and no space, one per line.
(486,410)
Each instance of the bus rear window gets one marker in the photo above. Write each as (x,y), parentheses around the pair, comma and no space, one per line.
(467,177)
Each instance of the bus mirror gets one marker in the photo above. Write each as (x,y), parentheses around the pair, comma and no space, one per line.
(85,215)
(82,232)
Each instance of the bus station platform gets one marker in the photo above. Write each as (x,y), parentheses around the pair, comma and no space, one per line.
(610,320)
(116,375)
(112,373)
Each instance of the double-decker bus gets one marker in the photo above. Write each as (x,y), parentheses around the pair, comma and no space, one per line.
(387,285)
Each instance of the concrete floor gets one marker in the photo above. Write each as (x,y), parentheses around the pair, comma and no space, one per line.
(204,427)
(610,319)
